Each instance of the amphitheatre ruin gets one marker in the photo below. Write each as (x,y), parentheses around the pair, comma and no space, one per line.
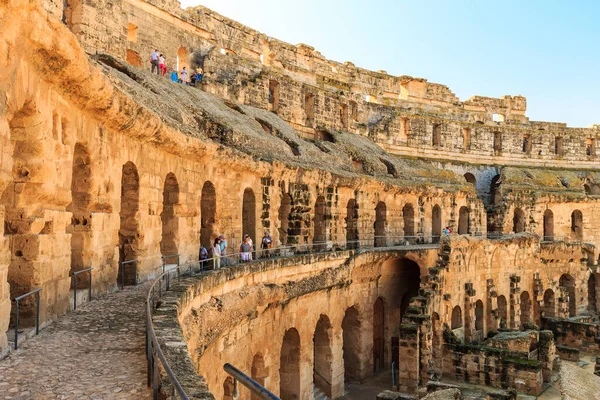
(116,176)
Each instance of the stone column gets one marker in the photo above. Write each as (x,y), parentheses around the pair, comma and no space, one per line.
(409,372)
(514,317)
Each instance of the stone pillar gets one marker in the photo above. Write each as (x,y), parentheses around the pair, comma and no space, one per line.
(514,317)
(547,353)
(409,370)
(493,316)
(469,313)
(562,310)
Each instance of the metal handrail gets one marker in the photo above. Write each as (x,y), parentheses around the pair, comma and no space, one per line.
(255,387)
(37,314)
(75,273)
(122,272)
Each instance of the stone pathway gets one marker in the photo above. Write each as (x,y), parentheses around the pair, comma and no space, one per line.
(97,352)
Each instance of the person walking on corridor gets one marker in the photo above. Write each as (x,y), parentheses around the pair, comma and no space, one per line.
(154,61)
(217,254)
(223,245)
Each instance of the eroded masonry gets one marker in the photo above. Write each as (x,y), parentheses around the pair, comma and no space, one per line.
(356,172)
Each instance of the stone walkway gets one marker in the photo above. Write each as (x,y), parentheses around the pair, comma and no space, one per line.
(97,352)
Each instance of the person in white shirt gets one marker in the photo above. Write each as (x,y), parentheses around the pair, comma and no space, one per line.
(184,76)
(154,61)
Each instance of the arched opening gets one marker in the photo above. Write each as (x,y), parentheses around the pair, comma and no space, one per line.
(258,372)
(309,109)
(380,224)
(525,308)
(81,221)
(352,344)
(249,215)
(495,195)
(183,59)
(568,284)
(502,312)
(549,305)
(208,214)
(437,135)
(470,178)
(577,224)
(320,230)
(457,320)
(518,221)
(378,335)
(401,279)
(463,221)
(548,225)
(285,210)
(128,227)
(408,214)
(352,224)
(289,366)
(497,143)
(170,222)
(592,293)
(323,355)
(273,95)
(479,318)
(436,223)
(344,115)
(228,387)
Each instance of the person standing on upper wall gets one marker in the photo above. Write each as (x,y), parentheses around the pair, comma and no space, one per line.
(154,61)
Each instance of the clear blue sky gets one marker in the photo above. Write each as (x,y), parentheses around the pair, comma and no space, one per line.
(547,51)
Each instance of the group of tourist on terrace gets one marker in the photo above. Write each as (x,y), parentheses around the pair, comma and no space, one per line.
(158,64)
(219,250)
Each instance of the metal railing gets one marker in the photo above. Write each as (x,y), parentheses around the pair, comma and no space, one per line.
(75,286)
(122,272)
(255,387)
(154,353)
(37,314)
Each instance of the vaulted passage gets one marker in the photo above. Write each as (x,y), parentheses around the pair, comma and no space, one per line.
(285,210)
(378,335)
(323,355)
(319,223)
(525,308)
(289,366)
(401,278)
(463,221)
(408,214)
(548,225)
(351,328)
(352,224)
(518,221)
(129,226)
(495,195)
(567,283)
(549,305)
(502,312)
(81,221)
(436,223)
(249,215)
(170,222)
(380,224)
(208,214)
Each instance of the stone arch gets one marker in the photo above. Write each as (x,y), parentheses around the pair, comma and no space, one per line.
(470,178)
(495,196)
(457,319)
(81,220)
(285,209)
(320,229)
(592,293)
(323,355)
(403,276)
(518,220)
(170,221)
(183,59)
(208,214)
(463,221)
(548,225)
(228,388)
(408,214)
(351,328)
(549,305)
(502,312)
(352,224)
(249,214)
(525,308)
(436,138)
(380,224)
(577,224)
(258,372)
(289,366)
(479,316)
(436,223)
(568,283)
(378,334)
(129,218)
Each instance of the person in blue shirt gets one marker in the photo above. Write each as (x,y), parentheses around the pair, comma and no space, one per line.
(203,256)
(223,249)
(174,77)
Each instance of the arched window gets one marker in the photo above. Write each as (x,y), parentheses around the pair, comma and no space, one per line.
(548,225)
(567,282)
(549,306)
(408,215)
(457,321)
(289,366)
(352,224)
(518,221)
(479,316)
(525,308)
(380,224)
(469,177)
(502,312)
(436,223)
(463,221)
(437,135)
(577,224)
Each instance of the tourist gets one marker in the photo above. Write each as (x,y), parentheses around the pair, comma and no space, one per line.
(154,61)
(446,231)
(174,77)
(223,244)
(193,80)
(161,65)
(184,76)
(203,256)
(246,250)
(198,75)
(266,244)
(247,237)
(217,253)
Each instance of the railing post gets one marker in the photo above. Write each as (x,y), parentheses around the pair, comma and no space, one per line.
(122,271)
(148,357)
(74,291)
(17,325)
(90,288)
(135,281)
(37,315)
(155,380)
